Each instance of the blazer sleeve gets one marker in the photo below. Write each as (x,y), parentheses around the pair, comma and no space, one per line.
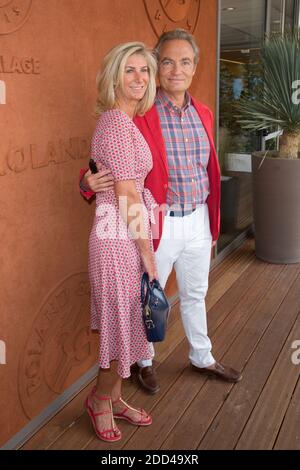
(86,194)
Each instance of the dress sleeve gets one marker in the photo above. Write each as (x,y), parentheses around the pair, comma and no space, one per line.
(115,148)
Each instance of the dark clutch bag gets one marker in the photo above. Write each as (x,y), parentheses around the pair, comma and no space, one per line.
(156,309)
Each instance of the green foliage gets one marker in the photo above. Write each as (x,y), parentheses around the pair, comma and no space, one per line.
(280,60)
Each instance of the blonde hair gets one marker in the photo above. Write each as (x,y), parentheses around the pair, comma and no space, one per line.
(110,77)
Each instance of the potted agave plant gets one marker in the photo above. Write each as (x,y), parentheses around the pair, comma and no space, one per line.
(276,174)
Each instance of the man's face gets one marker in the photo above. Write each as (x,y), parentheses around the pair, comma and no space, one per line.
(176,66)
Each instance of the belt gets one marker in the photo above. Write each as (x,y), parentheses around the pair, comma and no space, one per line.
(180,213)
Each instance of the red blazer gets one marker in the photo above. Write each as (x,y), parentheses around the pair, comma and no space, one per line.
(157,179)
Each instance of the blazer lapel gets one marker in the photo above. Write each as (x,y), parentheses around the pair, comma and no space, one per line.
(153,122)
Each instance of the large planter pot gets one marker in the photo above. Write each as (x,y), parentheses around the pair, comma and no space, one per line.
(276,208)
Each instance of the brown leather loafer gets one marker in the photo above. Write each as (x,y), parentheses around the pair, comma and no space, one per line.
(220,372)
(148,379)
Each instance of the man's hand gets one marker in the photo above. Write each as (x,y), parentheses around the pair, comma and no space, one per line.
(213,243)
(98,182)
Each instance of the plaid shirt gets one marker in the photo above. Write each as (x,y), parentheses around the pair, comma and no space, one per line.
(188,150)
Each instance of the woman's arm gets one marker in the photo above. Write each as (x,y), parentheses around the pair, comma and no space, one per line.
(131,209)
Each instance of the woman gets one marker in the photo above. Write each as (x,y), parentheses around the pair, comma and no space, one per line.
(120,246)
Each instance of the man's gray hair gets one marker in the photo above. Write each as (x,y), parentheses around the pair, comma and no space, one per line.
(181,34)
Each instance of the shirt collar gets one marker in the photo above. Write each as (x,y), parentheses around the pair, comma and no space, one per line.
(162,98)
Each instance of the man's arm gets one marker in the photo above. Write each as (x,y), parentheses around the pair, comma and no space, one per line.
(90,184)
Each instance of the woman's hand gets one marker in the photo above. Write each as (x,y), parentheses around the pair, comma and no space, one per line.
(149,265)
(98,182)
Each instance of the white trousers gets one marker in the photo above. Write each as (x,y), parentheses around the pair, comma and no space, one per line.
(186,245)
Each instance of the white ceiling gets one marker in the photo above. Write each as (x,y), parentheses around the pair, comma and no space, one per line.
(244,26)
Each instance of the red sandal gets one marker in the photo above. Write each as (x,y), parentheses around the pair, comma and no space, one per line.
(143,421)
(102,434)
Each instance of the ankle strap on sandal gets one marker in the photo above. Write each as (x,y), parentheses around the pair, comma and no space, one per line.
(119,400)
(128,407)
(98,397)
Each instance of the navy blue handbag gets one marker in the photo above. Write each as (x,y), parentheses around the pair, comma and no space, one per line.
(156,309)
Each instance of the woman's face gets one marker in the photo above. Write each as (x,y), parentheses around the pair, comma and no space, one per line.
(135,79)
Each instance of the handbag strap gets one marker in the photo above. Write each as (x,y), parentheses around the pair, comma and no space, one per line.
(149,286)
(145,284)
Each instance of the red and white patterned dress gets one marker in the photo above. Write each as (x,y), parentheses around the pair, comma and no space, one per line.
(115,267)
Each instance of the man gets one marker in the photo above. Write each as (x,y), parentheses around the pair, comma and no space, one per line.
(186,176)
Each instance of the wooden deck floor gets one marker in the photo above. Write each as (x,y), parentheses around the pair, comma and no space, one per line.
(254,318)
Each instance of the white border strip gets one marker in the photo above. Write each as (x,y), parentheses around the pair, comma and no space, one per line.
(39,421)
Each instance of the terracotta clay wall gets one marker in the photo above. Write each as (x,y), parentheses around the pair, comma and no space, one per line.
(49,55)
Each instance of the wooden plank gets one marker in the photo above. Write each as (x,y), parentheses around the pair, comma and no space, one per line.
(64,419)
(254,293)
(72,414)
(67,417)
(171,286)
(221,285)
(191,411)
(289,434)
(228,424)
(167,412)
(188,385)
(265,421)
(192,427)
(221,309)
(176,333)
(254,273)
(244,250)
(80,433)
(174,336)
(169,372)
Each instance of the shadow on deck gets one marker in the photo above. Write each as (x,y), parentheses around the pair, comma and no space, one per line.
(254,324)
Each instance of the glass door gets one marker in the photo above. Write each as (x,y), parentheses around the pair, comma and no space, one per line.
(243,27)
(241,36)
